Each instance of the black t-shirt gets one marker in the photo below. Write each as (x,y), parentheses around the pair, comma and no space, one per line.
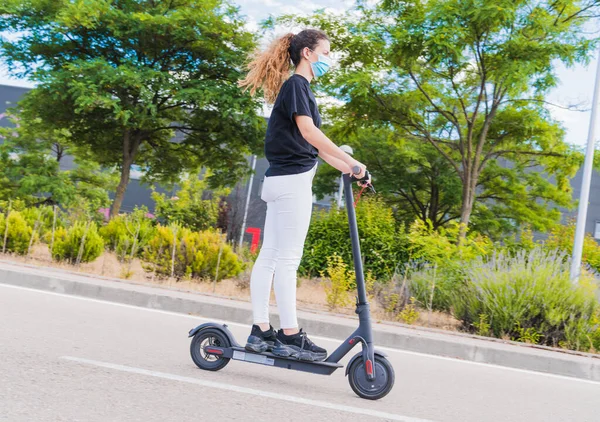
(285,148)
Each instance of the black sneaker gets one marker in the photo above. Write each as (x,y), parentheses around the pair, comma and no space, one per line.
(261,341)
(266,341)
(302,347)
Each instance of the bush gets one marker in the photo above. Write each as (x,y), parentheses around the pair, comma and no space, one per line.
(124,232)
(529,297)
(196,254)
(563,236)
(67,243)
(189,207)
(383,243)
(44,217)
(439,262)
(19,233)
(340,281)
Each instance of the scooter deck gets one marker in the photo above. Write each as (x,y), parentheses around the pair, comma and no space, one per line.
(269,359)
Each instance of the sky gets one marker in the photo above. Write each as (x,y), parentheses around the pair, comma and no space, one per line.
(575,87)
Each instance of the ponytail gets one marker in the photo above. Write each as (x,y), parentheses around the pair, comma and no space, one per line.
(269,70)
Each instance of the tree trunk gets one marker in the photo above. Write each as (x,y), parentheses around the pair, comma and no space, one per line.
(131,144)
(468,200)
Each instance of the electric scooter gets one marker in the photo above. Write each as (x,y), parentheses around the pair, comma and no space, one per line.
(369,373)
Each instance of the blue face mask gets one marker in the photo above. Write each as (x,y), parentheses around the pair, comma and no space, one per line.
(321,66)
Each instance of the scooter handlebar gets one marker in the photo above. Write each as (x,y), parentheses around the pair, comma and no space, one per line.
(356,170)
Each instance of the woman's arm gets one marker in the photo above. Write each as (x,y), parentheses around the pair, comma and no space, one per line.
(321,142)
(335,162)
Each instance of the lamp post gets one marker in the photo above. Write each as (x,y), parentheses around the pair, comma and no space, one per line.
(247,202)
(585,183)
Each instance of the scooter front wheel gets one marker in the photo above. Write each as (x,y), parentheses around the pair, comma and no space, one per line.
(204,339)
(371,390)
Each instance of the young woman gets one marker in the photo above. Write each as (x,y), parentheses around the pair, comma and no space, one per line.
(292,145)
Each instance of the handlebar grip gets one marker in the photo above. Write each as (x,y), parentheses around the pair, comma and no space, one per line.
(355,170)
(356,179)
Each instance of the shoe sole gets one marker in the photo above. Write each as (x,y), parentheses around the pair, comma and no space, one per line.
(258,345)
(305,355)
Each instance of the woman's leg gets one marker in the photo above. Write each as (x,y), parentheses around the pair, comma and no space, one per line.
(262,272)
(293,209)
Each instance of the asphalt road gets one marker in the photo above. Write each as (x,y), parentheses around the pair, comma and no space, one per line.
(65,358)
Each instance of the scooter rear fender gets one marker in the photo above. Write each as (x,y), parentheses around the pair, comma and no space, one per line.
(221,327)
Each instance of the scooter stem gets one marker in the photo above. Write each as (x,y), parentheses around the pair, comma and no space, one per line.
(358,267)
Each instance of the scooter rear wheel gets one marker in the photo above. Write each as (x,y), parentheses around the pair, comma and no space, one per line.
(371,390)
(206,338)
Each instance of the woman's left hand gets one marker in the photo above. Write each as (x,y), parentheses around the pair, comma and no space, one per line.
(366,182)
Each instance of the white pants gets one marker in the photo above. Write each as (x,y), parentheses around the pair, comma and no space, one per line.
(289,207)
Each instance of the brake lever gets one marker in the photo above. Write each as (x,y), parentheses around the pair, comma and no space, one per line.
(356,170)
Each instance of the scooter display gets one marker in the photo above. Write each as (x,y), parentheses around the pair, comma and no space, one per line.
(370,374)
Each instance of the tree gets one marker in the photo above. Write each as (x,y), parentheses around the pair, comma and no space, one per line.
(30,168)
(468,78)
(124,76)
(410,176)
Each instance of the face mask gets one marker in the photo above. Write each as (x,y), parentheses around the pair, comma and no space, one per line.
(321,66)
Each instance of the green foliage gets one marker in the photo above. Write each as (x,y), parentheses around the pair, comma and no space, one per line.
(340,281)
(528,297)
(440,260)
(482,327)
(44,217)
(68,243)
(444,245)
(125,232)
(116,76)
(19,233)
(411,177)
(246,254)
(30,160)
(521,240)
(188,207)
(383,242)
(409,314)
(394,299)
(13,204)
(563,236)
(195,254)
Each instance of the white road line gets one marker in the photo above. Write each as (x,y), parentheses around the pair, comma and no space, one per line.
(384,348)
(244,390)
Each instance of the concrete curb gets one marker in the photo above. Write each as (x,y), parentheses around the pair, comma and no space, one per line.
(420,340)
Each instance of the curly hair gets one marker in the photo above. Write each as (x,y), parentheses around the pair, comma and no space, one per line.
(268,70)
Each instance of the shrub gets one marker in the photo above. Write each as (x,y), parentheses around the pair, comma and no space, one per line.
(13,205)
(383,243)
(340,281)
(563,236)
(189,207)
(439,262)
(82,211)
(195,254)
(19,233)
(124,232)
(409,314)
(395,299)
(44,217)
(67,243)
(529,297)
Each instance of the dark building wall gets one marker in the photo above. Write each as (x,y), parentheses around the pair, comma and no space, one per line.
(593,213)
(9,96)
